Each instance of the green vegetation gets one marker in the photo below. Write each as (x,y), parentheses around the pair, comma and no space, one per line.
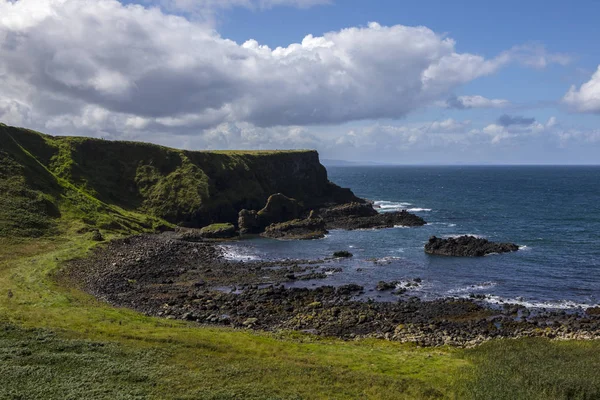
(58,342)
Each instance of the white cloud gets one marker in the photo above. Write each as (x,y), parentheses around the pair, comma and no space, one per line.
(587,97)
(89,66)
(518,127)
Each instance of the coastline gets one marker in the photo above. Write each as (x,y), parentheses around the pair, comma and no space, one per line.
(160,275)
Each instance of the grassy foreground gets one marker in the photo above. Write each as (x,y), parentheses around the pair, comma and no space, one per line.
(56,342)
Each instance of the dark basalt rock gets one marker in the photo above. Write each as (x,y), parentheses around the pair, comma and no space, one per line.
(305,229)
(279,208)
(343,254)
(466,246)
(363,216)
(248,222)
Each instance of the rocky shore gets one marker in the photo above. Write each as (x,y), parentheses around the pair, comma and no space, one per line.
(163,276)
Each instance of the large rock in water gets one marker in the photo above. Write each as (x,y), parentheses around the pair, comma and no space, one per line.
(303,229)
(466,246)
(364,216)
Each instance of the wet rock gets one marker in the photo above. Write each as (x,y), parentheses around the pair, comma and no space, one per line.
(248,222)
(364,216)
(306,229)
(218,231)
(342,254)
(383,285)
(466,246)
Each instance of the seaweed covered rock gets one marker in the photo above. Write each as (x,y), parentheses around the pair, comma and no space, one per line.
(466,246)
(218,231)
(214,231)
(303,229)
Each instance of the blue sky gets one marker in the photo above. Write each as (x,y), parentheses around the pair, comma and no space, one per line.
(400,82)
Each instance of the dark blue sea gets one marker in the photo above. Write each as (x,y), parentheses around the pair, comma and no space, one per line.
(552,213)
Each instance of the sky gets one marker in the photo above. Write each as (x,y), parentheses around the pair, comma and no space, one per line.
(411,82)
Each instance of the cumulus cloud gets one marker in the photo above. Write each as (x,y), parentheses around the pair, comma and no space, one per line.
(468,102)
(587,97)
(508,120)
(86,66)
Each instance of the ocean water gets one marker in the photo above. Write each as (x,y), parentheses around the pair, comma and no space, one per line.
(553,213)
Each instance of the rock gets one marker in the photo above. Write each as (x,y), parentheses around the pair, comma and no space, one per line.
(248,222)
(354,209)
(250,321)
(97,236)
(279,208)
(364,216)
(593,311)
(383,285)
(305,229)
(466,246)
(218,231)
(343,254)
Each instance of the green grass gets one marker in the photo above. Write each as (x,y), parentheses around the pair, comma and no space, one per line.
(37,364)
(534,369)
(210,362)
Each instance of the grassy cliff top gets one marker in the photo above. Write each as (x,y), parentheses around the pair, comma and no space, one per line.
(46,178)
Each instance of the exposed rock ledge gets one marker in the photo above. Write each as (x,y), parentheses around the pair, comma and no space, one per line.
(466,246)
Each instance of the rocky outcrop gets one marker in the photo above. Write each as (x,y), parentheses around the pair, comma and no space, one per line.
(248,222)
(279,208)
(305,229)
(218,231)
(214,231)
(364,216)
(466,246)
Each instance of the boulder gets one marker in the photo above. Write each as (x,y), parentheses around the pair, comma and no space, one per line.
(218,231)
(466,246)
(363,216)
(342,254)
(305,229)
(353,209)
(279,208)
(248,222)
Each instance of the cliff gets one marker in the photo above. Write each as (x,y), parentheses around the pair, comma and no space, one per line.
(43,177)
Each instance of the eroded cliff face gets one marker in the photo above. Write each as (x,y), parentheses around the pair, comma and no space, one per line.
(190,188)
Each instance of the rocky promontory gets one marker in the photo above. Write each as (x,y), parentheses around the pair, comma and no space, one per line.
(466,246)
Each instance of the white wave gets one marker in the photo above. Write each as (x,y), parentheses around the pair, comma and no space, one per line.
(555,305)
(235,253)
(419,209)
(471,288)
(457,235)
(401,226)
(524,248)
(386,260)
(441,223)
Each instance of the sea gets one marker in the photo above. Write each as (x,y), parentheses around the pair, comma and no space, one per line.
(551,212)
